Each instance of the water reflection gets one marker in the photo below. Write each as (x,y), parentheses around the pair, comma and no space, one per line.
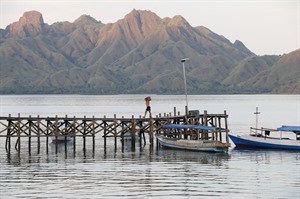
(187,156)
(265,156)
(147,172)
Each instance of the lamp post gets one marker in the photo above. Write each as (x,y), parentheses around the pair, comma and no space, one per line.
(184,79)
(256,113)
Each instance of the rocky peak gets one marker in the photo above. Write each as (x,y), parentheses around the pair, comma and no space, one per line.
(30,24)
(86,20)
(142,16)
(178,21)
(140,22)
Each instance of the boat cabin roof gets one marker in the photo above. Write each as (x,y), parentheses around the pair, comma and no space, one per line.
(188,126)
(289,128)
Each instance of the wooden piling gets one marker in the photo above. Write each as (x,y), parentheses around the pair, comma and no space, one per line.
(93,134)
(84,135)
(19,133)
(105,132)
(47,136)
(29,135)
(74,134)
(151,133)
(132,132)
(38,130)
(226,126)
(64,132)
(115,131)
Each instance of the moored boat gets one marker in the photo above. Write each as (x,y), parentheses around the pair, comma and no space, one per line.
(280,138)
(193,138)
(61,135)
(61,139)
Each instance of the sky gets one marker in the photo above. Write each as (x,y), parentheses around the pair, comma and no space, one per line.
(266,27)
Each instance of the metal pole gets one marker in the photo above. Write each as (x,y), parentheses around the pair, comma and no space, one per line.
(184,79)
(256,113)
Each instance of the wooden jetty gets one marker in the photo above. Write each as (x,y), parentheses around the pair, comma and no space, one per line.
(19,128)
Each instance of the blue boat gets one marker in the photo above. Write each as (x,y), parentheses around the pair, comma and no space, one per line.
(201,138)
(280,138)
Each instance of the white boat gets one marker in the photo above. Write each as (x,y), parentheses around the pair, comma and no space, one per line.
(201,139)
(280,138)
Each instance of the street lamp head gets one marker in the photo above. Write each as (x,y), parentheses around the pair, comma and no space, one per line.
(185,59)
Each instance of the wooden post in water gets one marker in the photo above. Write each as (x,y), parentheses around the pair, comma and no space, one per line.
(104,135)
(65,132)
(93,135)
(47,136)
(132,132)
(151,134)
(8,138)
(74,134)
(38,136)
(115,131)
(19,133)
(157,132)
(29,134)
(141,132)
(84,137)
(226,126)
(56,132)
(122,135)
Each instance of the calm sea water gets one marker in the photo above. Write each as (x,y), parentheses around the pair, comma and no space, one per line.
(148,173)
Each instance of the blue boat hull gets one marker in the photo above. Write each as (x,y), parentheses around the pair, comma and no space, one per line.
(261,142)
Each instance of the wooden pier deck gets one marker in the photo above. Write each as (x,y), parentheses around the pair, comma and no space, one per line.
(17,128)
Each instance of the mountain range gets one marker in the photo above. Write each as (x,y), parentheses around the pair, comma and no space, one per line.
(140,53)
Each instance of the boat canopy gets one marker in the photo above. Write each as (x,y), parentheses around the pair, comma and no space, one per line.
(188,126)
(289,128)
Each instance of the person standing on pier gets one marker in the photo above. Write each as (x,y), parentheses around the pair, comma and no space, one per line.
(148,108)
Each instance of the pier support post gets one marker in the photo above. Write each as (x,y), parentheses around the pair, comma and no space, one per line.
(19,133)
(47,137)
(38,136)
(74,134)
(84,135)
(122,135)
(151,134)
(115,131)
(226,126)
(65,132)
(93,135)
(133,129)
(104,135)
(56,132)
(29,135)
(8,137)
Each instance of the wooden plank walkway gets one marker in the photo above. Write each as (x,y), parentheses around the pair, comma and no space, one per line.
(39,128)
